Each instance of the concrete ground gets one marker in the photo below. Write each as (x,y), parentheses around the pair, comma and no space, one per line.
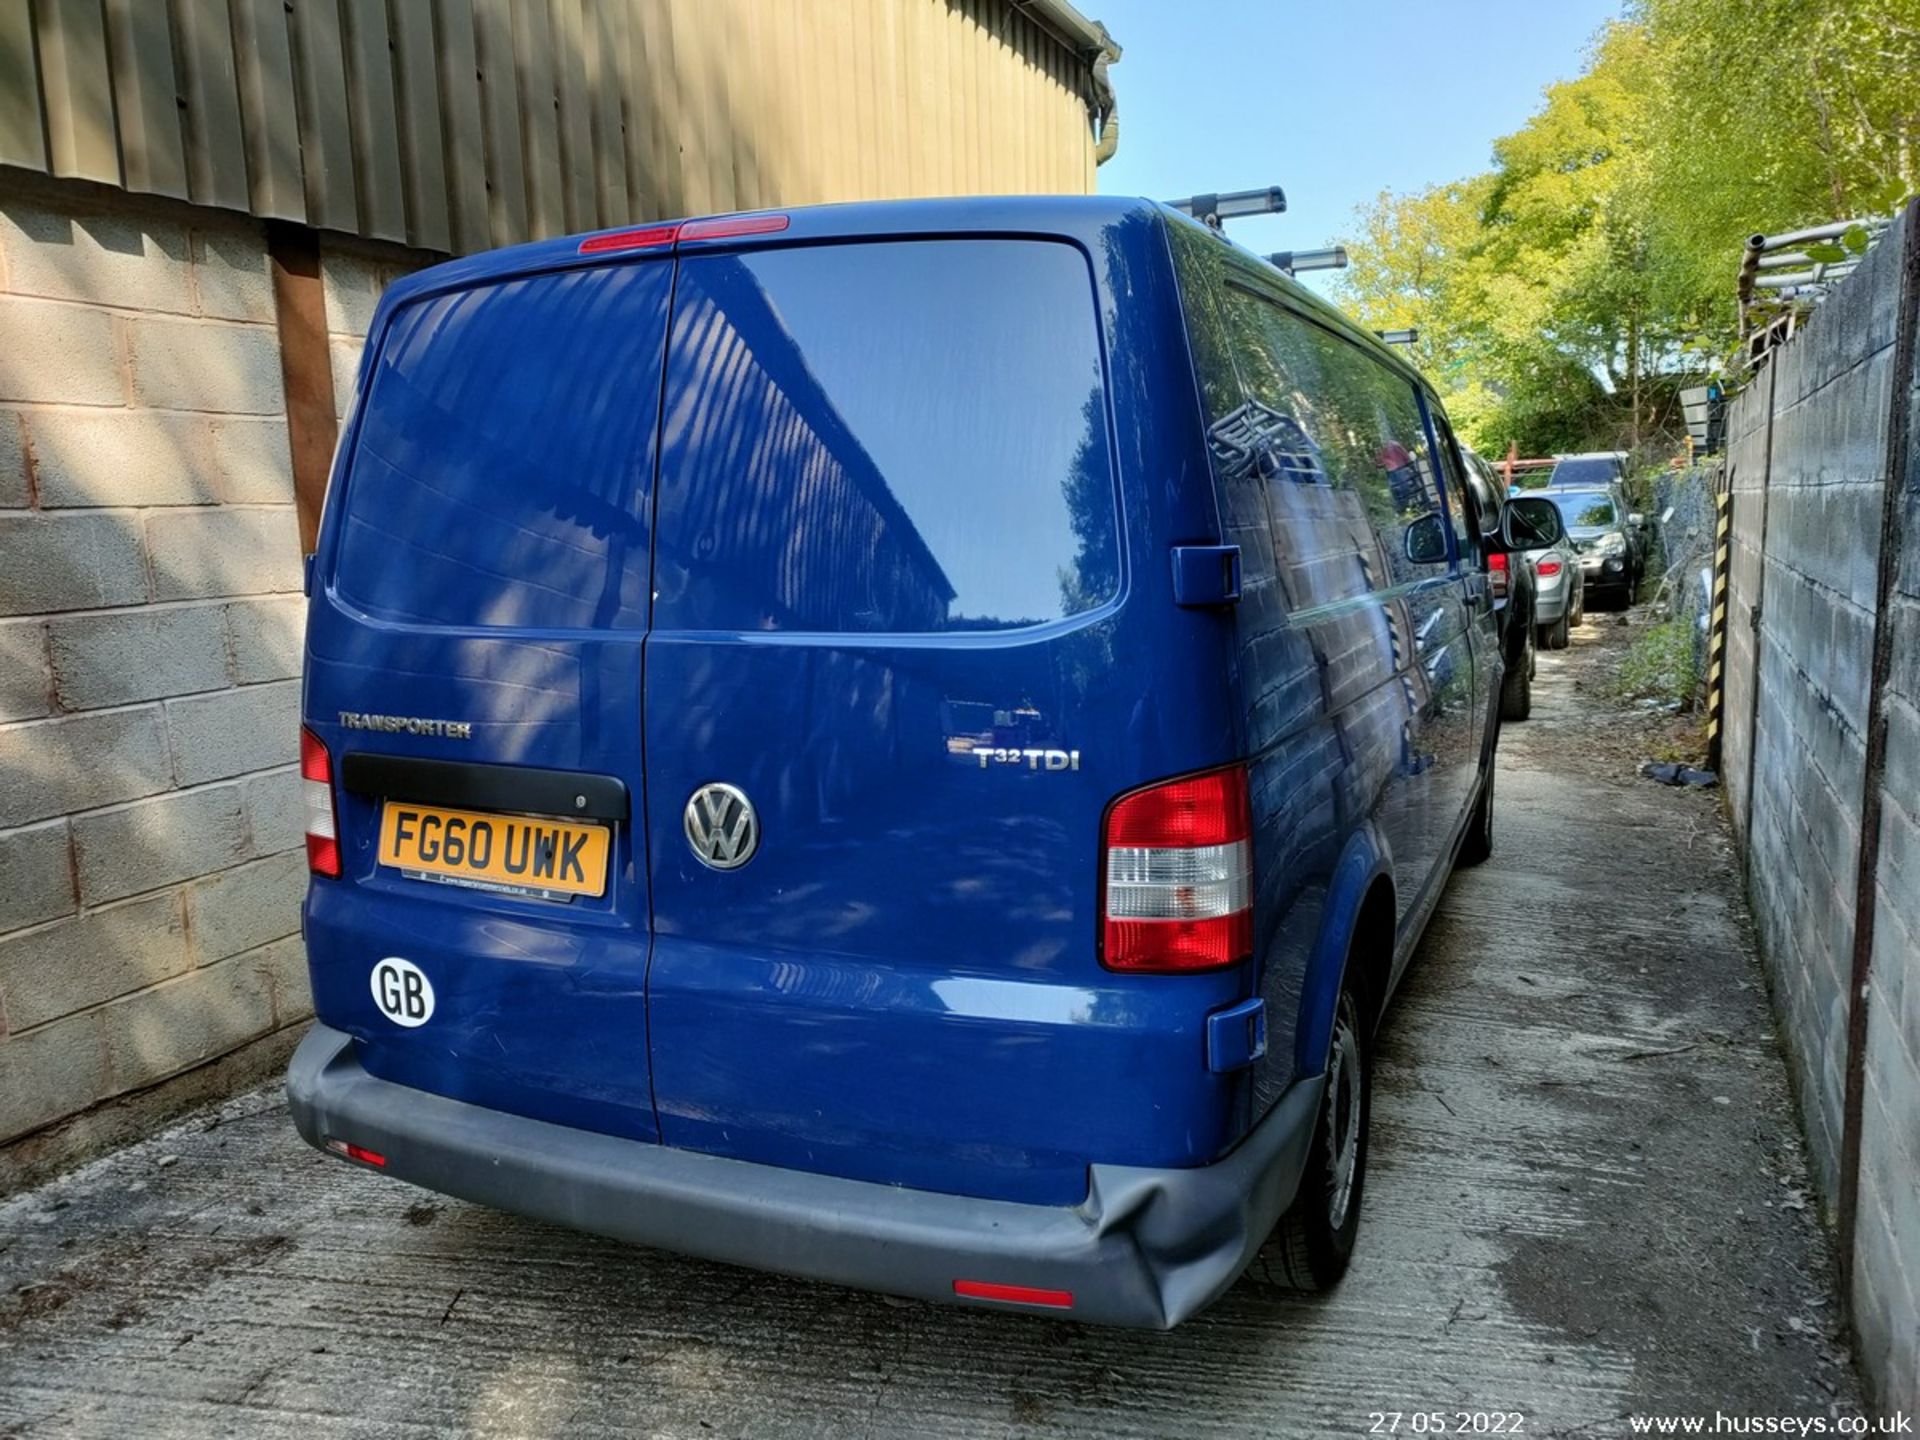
(1587,1202)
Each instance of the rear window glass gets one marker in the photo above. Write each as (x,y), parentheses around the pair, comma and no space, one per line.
(1585,510)
(888,436)
(1592,470)
(502,471)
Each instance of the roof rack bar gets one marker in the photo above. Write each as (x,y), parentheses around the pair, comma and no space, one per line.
(1212,208)
(1291,262)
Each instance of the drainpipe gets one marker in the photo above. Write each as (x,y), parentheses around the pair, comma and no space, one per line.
(1106,113)
(1090,41)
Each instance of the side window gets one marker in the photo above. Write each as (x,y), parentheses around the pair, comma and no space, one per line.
(1340,442)
(1453,469)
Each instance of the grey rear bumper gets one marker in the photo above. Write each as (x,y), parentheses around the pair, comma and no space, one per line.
(1147,1247)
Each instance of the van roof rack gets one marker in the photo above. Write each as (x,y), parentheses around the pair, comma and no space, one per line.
(1211,209)
(1291,262)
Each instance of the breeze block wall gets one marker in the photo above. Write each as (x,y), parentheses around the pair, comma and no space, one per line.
(1886,1285)
(1814,445)
(150,619)
(1832,390)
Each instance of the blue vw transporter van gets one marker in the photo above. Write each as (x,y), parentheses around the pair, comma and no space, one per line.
(905,744)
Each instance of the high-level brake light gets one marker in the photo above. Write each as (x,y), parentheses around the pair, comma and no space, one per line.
(647,237)
(722,227)
(1177,877)
(655,237)
(316,781)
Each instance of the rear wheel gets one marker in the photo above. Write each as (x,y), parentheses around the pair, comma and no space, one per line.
(1314,1239)
(1580,605)
(1557,634)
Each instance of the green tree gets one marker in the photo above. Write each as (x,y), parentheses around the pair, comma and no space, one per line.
(1565,295)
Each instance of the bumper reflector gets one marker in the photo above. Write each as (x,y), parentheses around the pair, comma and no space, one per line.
(355,1152)
(1013,1294)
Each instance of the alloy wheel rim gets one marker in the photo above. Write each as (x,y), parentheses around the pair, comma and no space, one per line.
(1343,1121)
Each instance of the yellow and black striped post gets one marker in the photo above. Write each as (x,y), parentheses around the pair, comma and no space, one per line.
(1717,626)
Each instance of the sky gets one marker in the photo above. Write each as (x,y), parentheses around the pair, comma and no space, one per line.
(1332,100)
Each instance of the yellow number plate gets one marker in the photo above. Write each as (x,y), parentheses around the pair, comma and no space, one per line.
(495,852)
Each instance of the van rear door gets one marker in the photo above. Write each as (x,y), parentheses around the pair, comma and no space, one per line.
(892,619)
(474,670)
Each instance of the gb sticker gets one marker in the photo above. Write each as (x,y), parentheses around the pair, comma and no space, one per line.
(403,992)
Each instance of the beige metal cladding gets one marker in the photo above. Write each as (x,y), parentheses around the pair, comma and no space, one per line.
(454,125)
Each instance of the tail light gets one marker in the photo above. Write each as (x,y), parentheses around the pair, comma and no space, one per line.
(316,780)
(1547,569)
(1497,569)
(1177,875)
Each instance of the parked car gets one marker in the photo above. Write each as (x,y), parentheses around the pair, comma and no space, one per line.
(906,744)
(1607,470)
(1592,469)
(1601,532)
(1560,592)
(1515,587)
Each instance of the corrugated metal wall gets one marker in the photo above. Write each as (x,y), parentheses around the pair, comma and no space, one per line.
(454,125)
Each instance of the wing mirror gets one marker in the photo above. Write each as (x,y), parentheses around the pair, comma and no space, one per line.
(1426,541)
(1529,524)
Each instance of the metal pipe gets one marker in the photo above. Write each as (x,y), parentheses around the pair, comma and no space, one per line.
(1107,140)
(1872,224)
(1089,40)
(1817,275)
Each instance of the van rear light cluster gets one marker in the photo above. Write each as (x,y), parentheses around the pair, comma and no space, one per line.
(1177,872)
(316,784)
(1497,569)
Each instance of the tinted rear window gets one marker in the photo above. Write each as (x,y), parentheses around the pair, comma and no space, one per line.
(888,436)
(1599,470)
(1585,510)
(502,471)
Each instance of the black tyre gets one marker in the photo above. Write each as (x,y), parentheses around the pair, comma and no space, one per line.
(1516,691)
(1313,1243)
(1478,844)
(1559,634)
(1580,605)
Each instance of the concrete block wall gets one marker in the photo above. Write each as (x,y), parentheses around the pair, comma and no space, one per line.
(1886,1280)
(150,615)
(1832,395)
(1811,452)
(352,281)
